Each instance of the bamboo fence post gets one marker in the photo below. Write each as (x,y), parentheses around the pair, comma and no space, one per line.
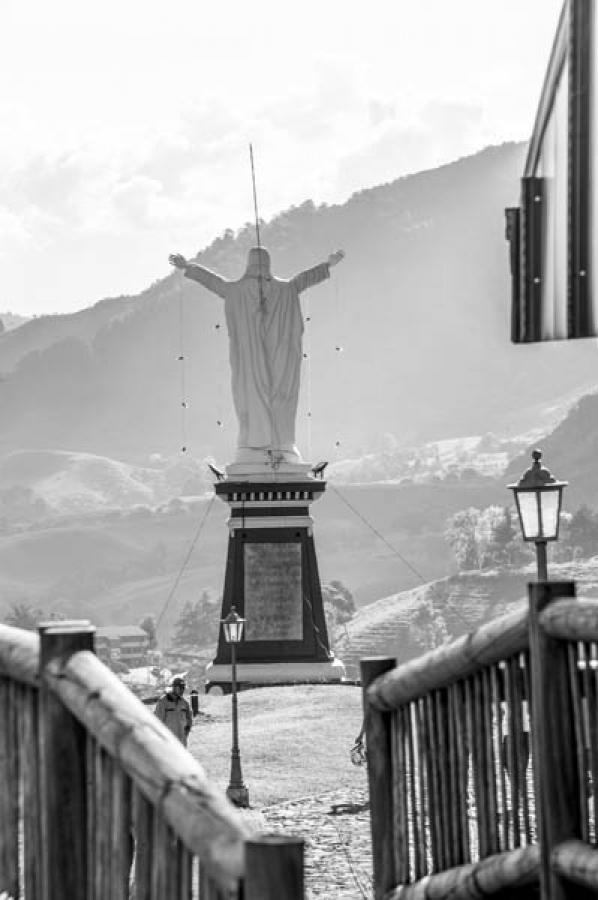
(143,831)
(9,789)
(274,868)
(30,775)
(63,771)
(450,841)
(557,780)
(380,778)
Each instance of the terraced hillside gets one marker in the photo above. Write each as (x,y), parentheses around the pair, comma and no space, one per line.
(406,624)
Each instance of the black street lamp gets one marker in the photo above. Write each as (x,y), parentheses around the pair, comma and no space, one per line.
(232,627)
(539,497)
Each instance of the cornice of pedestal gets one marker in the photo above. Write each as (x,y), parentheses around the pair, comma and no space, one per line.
(266,471)
(265,673)
(244,523)
(280,492)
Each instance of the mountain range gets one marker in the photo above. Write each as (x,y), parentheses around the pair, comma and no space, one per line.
(417,399)
(408,342)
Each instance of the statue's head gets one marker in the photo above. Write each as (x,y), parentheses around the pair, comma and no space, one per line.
(258,263)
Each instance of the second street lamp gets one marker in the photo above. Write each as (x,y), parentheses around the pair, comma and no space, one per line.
(232,627)
(539,497)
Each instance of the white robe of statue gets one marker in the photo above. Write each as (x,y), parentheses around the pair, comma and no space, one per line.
(265,338)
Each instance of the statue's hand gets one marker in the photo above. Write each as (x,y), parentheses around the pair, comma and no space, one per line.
(178,260)
(336,257)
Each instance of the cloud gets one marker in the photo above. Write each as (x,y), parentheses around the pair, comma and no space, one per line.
(13,230)
(190,179)
(381,111)
(29,227)
(439,132)
(139,199)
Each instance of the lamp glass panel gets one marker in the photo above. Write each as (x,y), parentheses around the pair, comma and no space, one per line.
(528,510)
(549,501)
(233,631)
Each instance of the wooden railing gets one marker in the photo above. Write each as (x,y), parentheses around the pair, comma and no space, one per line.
(99,800)
(463,802)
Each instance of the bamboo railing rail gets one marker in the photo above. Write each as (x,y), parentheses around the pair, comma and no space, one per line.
(100,800)
(19,655)
(449,767)
(577,862)
(160,767)
(571,619)
(475,881)
(19,734)
(438,668)
(461,804)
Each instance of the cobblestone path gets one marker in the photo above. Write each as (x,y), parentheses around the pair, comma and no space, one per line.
(336,830)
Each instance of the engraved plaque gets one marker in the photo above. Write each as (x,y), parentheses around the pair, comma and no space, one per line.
(273,594)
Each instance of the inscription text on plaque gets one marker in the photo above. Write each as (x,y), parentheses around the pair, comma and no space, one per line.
(273,592)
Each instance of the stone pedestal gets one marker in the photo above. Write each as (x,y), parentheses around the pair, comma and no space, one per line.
(272,579)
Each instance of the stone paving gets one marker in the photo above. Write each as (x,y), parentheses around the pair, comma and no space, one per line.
(336,830)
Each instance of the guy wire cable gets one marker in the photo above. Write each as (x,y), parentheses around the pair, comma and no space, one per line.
(394,550)
(378,534)
(307,355)
(185,561)
(257,230)
(183,379)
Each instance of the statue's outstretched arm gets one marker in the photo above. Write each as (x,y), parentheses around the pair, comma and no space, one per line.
(210,280)
(316,274)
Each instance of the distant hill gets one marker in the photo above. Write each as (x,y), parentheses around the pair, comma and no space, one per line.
(56,482)
(420,309)
(116,566)
(9,321)
(571,453)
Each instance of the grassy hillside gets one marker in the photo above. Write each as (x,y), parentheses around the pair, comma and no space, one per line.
(295,741)
(62,482)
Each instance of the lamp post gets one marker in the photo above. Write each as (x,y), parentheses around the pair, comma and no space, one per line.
(232,627)
(538,497)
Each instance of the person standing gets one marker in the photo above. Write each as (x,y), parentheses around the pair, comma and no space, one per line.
(174,711)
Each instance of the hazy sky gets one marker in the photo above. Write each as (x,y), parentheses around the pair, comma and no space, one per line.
(125,125)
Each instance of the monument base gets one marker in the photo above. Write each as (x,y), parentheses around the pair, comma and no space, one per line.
(268,464)
(263,674)
(260,471)
(273,583)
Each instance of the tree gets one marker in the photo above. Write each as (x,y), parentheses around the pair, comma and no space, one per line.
(481,539)
(339,605)
(22,614)
(198,623)
(460,533)
(495,534)
(583,532)
(428,626)
(149,626)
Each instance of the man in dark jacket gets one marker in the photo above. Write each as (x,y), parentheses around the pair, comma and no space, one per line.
(174,711)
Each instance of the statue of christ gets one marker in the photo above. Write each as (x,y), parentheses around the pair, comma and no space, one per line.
(265,328)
